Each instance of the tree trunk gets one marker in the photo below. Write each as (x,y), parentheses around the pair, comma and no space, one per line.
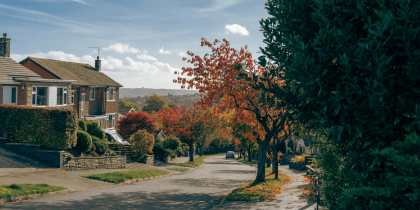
(262,151)
(249,155)
(191,144)
(275,163)
(268,162)
(201,151)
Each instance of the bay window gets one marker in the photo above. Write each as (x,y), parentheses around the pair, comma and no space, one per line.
(111,94)
(62,96)
(14,95)
(72,97)
(111,121)
(39,96)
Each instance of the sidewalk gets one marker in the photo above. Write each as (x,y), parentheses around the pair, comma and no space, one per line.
(291,197)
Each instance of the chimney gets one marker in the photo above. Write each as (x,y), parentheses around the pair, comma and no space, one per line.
(5,46)
(98,64)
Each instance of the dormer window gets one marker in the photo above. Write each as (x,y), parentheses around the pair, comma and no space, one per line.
(111,94)
(92,93)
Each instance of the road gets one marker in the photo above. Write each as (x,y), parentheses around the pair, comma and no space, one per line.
(197,189)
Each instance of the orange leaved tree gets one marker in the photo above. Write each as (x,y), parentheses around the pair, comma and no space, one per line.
(219,76)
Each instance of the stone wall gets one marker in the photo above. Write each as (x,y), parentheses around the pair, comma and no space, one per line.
(285,159)
(60,159)
(89,163)
(149,159)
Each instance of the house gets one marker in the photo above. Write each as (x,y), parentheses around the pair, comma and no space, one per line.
(21,86)
(123,110)
(159,135)
(93,95)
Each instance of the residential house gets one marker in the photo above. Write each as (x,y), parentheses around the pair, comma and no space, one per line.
(159,135)
(21,86)
(123,110)
(93,95)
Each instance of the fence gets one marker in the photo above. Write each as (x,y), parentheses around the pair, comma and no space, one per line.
(123,149)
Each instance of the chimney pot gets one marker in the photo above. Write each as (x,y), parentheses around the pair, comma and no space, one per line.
(97,58)
(98,64)
(4,35)
(5,46)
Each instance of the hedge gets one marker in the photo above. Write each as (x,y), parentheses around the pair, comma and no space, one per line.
(53,127)
(84,142)
(94,129)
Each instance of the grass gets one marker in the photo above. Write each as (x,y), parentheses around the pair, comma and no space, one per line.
(122,176)
(260,191)
(179,169)
(13,190)
(198,161)
(254,164)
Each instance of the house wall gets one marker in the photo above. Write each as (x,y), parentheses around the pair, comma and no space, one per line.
(22,94)
(86,91)
(29,86)
(96,105)
(112,106)
(39,70)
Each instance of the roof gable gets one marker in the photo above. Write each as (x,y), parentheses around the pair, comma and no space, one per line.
(85,74)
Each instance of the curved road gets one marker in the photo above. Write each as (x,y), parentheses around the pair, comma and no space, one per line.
(197,189)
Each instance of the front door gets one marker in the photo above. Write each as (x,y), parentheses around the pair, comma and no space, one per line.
(82,106)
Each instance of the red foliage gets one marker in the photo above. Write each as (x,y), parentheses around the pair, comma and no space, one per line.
(134,121)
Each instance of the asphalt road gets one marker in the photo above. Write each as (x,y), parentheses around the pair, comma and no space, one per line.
(197,189)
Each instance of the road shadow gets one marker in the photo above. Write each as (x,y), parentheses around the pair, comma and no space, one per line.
(206,182)
(235,171)
(127,200)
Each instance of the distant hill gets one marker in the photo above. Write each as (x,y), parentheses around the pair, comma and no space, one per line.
(142,92)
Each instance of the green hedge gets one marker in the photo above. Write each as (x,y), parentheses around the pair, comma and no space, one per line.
(84,142)
(94,129)
(55,128)
(82,125)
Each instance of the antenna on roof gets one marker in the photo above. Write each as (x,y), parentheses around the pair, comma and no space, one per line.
(98,49)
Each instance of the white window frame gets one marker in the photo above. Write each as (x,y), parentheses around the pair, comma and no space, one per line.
(112,123)
(64,96)
(36,96)
(108,93)
(11,95)
(73,92)
(90,94)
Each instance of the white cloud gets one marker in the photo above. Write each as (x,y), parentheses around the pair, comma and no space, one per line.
(122,48)
(144,56)
(56,55)
(80,1)
(182,54)
(236,29)
(161,51)
(220,4)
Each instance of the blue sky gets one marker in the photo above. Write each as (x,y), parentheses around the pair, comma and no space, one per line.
(142,41)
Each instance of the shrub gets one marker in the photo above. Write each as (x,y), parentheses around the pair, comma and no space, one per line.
(82,125)
(289,151)
(142,143)
(171,143)
(134,121)
(299,159)
(210,150)
(100,145)
(179,152)
(84,142)
(55,128)
(94,129)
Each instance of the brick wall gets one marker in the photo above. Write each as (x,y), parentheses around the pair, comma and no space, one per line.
(89,163)
(96,105)
(112,106)
(22,94)
(39,70)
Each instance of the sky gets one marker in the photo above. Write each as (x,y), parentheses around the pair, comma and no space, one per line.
(142,42)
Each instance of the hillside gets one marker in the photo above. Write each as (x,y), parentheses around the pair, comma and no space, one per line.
(142,92)
(178,100)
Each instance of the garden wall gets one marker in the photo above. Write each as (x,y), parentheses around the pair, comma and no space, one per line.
(285,159)
(89,163)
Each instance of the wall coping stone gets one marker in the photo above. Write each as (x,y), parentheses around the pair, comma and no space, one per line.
(25,144)
(102,157)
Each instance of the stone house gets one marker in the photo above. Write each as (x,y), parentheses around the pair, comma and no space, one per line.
(21,86)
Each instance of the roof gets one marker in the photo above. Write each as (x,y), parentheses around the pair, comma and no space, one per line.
(84,74)
(124,109)
(10,69)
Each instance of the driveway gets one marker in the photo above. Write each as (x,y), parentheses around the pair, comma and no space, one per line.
(197,189)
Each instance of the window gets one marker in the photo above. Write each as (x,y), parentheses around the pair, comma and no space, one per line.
(39,96)
(14,95)
(111,93)
(72,97)
(92,93)
(62,96)
(111,120)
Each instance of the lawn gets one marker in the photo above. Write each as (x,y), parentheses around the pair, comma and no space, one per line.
(253,162)
(179,169)
(13,190)
(260,191)
(198,161)
(122,176)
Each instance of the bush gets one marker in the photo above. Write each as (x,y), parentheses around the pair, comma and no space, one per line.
(100,145)
(299,159)
(55,128)
(289,151)
(134,121)
(179,152)
(171,143)
(84,142)
(210,150)
(82,125)
(171,153)
(94,129)
(142,143)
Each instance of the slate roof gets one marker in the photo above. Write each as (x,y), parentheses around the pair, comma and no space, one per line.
(85,74)
(124,109)
(10,68)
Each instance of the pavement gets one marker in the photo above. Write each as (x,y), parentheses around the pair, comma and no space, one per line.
(18,169)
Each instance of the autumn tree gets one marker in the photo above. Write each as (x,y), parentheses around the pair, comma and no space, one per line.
(127,103)
(134,121)
(155,103)
(218,75)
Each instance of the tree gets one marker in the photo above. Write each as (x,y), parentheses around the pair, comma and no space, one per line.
(155,103)
(127,103)
(219,76)
(134,121)
(353,72)
(141,143)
